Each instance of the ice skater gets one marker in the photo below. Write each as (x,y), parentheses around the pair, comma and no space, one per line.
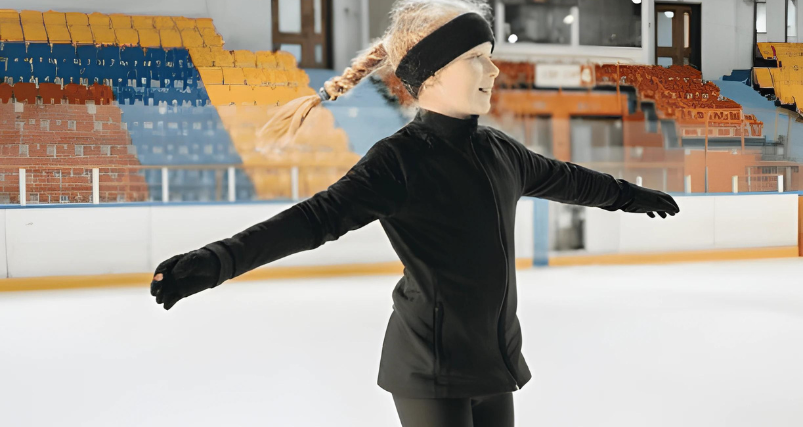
(445,191)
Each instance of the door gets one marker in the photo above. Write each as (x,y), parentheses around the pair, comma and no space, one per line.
(302,27)
(677,30)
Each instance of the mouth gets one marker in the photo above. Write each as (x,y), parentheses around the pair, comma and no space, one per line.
(486,90)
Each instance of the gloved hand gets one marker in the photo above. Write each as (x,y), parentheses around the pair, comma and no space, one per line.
(637,199)
(184,275)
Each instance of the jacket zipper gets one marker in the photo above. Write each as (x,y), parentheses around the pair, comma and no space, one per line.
(504,252)
(438,338)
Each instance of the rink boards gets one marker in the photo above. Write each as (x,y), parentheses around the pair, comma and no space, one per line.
(130,240)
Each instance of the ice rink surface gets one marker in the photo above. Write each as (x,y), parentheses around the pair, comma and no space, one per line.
(708,344)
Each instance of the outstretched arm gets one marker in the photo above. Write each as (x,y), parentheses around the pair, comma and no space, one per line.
(564,182)
(372,189)
(574,184)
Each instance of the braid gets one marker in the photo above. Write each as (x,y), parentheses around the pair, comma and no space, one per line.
(363,65)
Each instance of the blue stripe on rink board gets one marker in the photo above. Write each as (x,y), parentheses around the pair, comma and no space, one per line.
(540,232)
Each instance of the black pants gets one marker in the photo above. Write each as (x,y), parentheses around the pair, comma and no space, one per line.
(495,410)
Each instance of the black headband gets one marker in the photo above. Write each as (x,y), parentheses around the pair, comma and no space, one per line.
(441,47)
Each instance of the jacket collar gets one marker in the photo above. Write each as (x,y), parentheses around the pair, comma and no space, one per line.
(450,129)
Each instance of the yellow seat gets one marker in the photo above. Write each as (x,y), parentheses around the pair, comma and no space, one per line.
(51,18)
(254,76)
(204,23)
(58,33)
(241,95)
(9,16)
(31,16)
(183,23)
(285,60)
(163,23)
(34,32)
(233,76)
(268,96)
(76,18)
(81,34)
(210,75)
(222,58)
(211,37)
(201,57)
(102,34)
(244,58)
(142,22)
(191,38)
(11,32)
(126,36)
(762,76)
(99,20)
(149,37)
(120,21)
(218,94)
(266,59)
(170,38)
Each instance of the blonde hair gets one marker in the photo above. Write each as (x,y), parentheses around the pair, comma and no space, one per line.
(410,21)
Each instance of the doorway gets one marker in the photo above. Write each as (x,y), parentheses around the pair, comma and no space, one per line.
(302,27)
(677,34)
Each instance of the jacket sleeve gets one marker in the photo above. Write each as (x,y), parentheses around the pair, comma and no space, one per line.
(564,182)
(372,189)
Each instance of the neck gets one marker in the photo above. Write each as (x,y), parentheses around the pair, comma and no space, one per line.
(454,130)
(445,111)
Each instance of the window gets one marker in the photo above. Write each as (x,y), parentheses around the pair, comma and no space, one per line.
(79,150)
(761,18)
(33,198)
(71,124)
(300,27)
(599,22)
(105,150)
(23,150)
(64,199)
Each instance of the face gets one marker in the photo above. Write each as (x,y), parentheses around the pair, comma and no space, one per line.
(463,87)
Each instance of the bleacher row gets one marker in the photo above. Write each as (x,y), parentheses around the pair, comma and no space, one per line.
(165,74)
(101,29)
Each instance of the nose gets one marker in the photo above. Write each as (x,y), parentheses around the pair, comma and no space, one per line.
(494,69)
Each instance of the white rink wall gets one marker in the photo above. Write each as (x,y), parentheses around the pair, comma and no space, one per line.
(95,240)
(704,223)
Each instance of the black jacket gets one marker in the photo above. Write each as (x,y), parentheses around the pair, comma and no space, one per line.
(445,192)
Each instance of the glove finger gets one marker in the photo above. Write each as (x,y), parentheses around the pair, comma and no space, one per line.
(171,300)
(156,286)
(670,203)
(650,214)
(167,265)
(159,297)
(663,214)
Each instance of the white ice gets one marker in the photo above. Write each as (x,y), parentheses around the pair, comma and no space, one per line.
(708,344)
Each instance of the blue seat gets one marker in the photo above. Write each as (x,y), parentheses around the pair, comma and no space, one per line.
(109,59)
(88,59)
(125,95)
(39,50)
(66,60)
(13,50)
(16,66)
(44,69)
(155,57)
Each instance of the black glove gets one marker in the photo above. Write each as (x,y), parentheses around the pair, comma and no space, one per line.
(635,199)
(184,275)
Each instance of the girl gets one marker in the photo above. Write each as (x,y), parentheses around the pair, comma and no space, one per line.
(445,191)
